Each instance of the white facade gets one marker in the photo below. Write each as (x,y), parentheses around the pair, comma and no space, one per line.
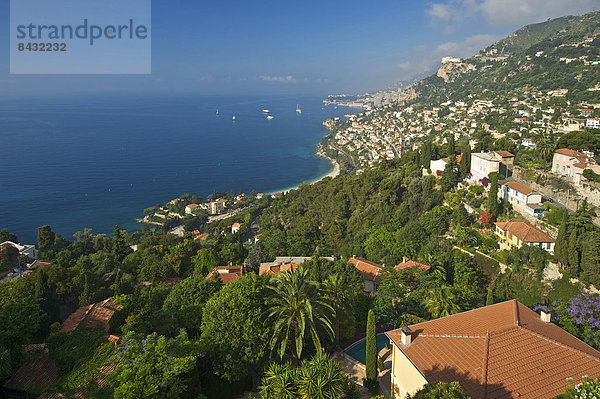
(482,164)
(593,123)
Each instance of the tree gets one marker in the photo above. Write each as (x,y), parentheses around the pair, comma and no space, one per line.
(451,146)
(439,390)
(233,329)
(86,297)
(154,367)
(341,296)
(574,252)
(465,163)
(185,302)
(579,140)
(371,356)
(318,378)
(45,238)
(450,177)
(590,258)
(119,247)
(588,388)
(492,200)
(442,302)
(561,249)
(544,144)
(5,235)
(297,307)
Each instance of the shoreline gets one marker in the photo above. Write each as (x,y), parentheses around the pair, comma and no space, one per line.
(335,172)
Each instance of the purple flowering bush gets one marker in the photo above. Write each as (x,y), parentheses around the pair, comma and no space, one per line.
(154,366)
(580,316)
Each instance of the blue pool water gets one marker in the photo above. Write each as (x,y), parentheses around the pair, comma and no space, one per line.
(358,351)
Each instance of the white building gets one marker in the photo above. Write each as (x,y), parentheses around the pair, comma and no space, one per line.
(522,198)
(593,123)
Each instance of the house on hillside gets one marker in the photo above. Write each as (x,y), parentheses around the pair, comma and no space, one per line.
(96,315)
(276,268)
(227,274)
(28,250)
(407,264)
(484,163)
(523,199)
(504,350)
(191,208)
(515,234)
(371,273)
(570,164)
(438,166)
(235,227)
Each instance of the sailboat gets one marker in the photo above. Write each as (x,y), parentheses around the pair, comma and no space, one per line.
(298,110)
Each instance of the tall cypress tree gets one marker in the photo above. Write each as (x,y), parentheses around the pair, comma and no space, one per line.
(492,201)
(465,162)
(119,246)
(86,296)
(590,258)
(561,249)
(574,253)
(451,146)
(371,347)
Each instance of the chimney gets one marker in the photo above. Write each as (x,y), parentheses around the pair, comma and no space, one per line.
(404,259)
(406,337)
(545,314)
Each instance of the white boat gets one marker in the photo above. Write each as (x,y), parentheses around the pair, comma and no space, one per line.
(270,117)
(266,111)
(217,112)
(298,110)
(233,117)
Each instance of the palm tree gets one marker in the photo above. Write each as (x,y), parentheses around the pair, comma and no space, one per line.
(442,302)
(341,296)
(279,382)
(321,378)
(296,306)
(544,143)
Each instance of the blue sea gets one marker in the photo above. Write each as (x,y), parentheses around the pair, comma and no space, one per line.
(95,161)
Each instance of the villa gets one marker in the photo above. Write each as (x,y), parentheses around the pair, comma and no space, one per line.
(504,350)
(515,234)
(371,273)
(523,199)
(484,163)
(227,274)
(571,164)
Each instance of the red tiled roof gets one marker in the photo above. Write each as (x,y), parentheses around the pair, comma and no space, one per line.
(369,270)
(276,269)
(458,158)
(37,374)
(227,274)
(523,189)
(500,351)
(407,263)
(525,232)
(569,153)
(95,315)
(192,206)
(505,154)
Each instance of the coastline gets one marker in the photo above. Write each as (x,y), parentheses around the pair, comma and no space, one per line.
(335,172)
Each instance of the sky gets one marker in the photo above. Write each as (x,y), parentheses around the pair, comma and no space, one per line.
(267,46)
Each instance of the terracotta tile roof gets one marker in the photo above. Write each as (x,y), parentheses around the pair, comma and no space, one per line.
(523,189)
(95,315)
(500,351)
(407,263)
(505,154)
(228,274)
(569,153)
(525,232)
(203,236)
(276,269)
(369,270)
(37,374)
(458,158)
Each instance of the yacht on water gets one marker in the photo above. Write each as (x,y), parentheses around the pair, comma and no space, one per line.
(266,111)
(270,117)
(217,112)
(298,110)
(233,117)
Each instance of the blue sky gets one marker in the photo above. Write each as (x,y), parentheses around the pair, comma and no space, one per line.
(302,46)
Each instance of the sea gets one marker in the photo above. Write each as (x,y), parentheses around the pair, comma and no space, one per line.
(95,161)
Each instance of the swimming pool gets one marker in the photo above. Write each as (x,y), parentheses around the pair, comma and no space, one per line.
(358,351)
